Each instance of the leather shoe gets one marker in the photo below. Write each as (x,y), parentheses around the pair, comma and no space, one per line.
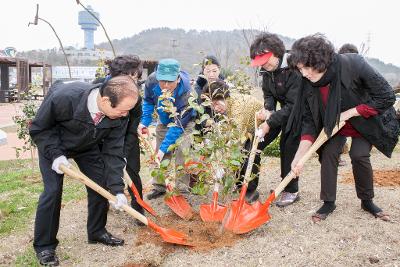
(48,258)
(155,194)
(107,239)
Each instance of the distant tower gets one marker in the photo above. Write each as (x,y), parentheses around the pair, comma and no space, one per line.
(88,25)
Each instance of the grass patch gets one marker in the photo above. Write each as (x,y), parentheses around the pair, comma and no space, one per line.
(28,258)
(20,188)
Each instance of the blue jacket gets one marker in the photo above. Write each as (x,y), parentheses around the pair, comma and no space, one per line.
(182,92)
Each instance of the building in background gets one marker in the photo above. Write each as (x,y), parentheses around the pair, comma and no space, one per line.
(89,25)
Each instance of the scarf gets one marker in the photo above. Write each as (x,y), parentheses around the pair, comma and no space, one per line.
(332,110)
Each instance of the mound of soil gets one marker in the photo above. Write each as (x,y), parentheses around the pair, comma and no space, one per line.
(381,178)
(202,236)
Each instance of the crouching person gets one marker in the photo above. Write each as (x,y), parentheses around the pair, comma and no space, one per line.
(168,80)
(72,121)
(241,109)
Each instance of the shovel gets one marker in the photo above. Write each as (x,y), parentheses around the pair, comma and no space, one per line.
(139,200)
(242,213)
(168,235)
(322,138)
(177,203)
(260,215)
(213,212)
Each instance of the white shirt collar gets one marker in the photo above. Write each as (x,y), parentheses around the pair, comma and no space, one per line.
(92,102)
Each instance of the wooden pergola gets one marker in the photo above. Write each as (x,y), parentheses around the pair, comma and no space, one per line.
(24,77)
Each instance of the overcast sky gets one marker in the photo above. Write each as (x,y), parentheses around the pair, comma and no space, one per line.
(341,20)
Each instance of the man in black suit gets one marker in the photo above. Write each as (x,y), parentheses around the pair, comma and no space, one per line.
(71,122)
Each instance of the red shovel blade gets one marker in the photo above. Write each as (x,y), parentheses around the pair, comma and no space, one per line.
(140,201)
(169,235)
(251,216)
(178,204)
(213,212)
(244,217)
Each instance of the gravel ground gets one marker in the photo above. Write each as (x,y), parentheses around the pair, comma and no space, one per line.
(349,237)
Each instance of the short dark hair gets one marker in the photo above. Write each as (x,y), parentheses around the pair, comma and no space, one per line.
(119,87)
(209,60)
(348,48)
(216,90)
(267,41)
(126,64)
(314,51)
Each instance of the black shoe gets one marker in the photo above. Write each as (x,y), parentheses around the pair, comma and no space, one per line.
(252,196)
(48,258)
(155,194)
(107,239)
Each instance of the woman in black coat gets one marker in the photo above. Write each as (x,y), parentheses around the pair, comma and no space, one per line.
(342,88)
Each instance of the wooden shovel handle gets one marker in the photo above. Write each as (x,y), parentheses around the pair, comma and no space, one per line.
(322,138)
(253,151)
(74,173)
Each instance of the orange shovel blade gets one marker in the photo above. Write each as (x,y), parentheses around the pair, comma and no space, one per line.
(213,212)
(169,235)
(180,206)
(140,201)
(246,218)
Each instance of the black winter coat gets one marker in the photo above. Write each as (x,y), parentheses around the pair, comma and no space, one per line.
(63,126)
(131,137)
(281,85)
(360,84)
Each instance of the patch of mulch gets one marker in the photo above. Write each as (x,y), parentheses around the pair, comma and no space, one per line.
(381,178)
(202,236)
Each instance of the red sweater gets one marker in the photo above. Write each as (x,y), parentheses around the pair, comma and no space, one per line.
(348,129)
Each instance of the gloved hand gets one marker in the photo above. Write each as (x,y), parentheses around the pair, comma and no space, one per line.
(56,164)
(260,134)
(219,173)
(262,130)
(121,200)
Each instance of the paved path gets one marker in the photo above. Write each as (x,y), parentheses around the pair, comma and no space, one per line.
(7,151)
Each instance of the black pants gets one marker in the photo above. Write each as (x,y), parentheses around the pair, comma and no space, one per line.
(133,168)
(288,146)
(48,210)
(360,161)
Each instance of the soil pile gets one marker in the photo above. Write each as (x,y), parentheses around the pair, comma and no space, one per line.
(202,236)
(381,178)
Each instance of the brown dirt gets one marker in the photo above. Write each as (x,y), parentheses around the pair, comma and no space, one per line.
(349,237)
(202,236)
(381,178)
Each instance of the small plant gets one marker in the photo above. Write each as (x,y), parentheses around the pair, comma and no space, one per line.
(219,146)
(240,79)
(24,121)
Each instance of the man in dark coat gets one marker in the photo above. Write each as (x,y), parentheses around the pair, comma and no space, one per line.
(280,84)
(71,122)
(131,65)
(342,88)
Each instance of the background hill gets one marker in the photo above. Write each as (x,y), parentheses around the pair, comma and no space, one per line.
(231,47)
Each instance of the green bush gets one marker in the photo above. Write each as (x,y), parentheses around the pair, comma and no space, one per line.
(273,149)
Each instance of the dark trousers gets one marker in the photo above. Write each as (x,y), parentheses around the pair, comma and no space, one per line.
(133,168)
(360,161)
(49,206)
(288,146)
